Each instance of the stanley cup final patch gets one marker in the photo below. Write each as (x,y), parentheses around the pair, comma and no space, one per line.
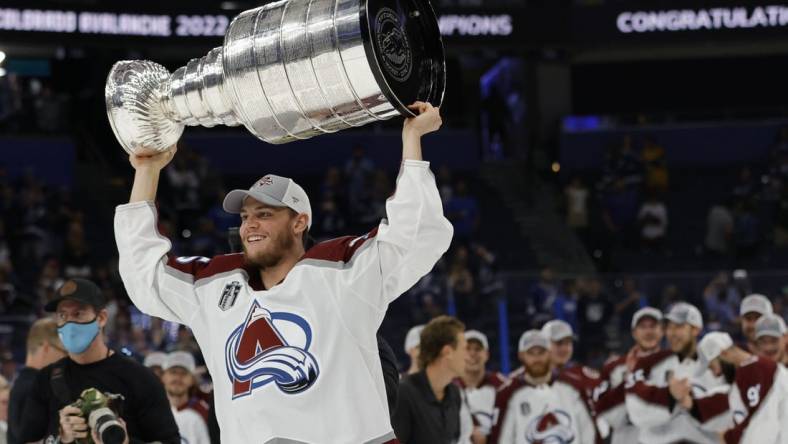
(229,295)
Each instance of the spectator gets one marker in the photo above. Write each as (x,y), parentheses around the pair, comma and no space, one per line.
(358,171)
(461,283)
(542,297)
(332,221)
(632,300)
(179,381)
(594,314)
(653,221)
(463,212)
(620,209)
(747,231)
(746,186)
(565,304)
(76,259)
(719,229)
(43,348)
(576,194)
(720,300)
(657,178)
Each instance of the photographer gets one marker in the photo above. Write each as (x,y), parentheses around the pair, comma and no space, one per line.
(144,412)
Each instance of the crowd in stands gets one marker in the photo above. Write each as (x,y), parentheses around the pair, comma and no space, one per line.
(628,206)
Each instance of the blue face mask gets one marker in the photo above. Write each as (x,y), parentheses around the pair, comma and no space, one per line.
(77,337)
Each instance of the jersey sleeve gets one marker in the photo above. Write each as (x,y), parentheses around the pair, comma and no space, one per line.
(466,420)
(502,397)
(376,268)
(158,284)
(712,409)
(508,430)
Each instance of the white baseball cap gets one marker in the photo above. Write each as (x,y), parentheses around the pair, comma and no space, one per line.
(646,312)
(532,338)
(155,359)
(770,325)
(180,359)
(557,329)
(413,338)
(273,190)
(476,335)
(756,303)
(684,313)
(710,347)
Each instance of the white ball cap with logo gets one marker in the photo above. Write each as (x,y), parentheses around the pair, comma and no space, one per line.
(684,313)
(646,312)
(531,339)
(557,330)
(155,359)
(756,303)
(181,359)
(477,336)
(413,338)
(770,325)
(710,347)
(272,190)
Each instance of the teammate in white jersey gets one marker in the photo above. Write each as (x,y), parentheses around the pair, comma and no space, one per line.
(648,399)
(758,398)
(533,409)
(480,385)
(770,338)
(609,396)
(289,336)
(752,308)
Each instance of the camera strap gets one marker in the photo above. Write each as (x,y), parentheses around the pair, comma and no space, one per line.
(57,381)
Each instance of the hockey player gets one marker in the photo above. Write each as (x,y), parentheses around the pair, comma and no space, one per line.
(479,384)
(609,395)
(758,396)
(289,335)
(751,309)
(770,338)
(649,404)
(577,378)
(531,409)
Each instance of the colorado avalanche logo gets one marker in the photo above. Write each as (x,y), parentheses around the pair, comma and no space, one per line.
(257,353)
(553,427)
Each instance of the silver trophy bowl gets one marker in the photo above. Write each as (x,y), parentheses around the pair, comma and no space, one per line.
(287,71)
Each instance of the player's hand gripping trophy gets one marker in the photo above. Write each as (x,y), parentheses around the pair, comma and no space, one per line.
(288,70)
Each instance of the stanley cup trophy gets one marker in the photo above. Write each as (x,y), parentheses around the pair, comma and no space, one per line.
(288,70)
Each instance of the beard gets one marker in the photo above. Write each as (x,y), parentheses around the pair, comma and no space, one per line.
(539,370)
(272,255)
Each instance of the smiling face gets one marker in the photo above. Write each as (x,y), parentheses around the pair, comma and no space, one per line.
(748,322)
(647,333)
(561,351)
(268,233)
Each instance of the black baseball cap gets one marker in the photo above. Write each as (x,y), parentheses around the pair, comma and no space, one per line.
(80,290)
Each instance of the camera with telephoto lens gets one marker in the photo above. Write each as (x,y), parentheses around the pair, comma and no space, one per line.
(101,411)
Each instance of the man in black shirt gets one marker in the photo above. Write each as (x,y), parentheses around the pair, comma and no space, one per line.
(80,316)
(43,348)
(429,405)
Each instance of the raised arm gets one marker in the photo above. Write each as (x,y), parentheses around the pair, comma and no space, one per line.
(158,284)
(147,169)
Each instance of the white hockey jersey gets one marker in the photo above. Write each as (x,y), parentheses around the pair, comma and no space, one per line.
(297,363)
(481,400)
(543,413)
(652,409)
(757,404)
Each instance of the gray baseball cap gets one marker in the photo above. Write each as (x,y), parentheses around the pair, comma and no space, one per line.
(684,313)
(756,303)
(273,190)
(646,312)
(476,335)
(532,338)
(557,329)
(770,325)
(180,359)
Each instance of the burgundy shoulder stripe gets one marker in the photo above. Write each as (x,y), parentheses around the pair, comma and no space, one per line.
(340,249)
